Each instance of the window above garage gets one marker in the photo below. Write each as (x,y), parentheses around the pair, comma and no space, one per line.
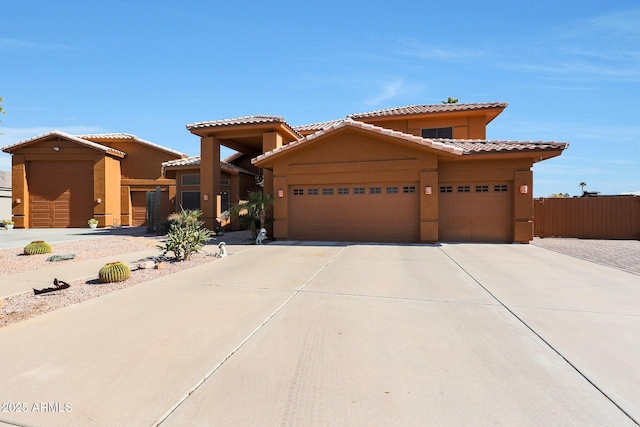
(438,133)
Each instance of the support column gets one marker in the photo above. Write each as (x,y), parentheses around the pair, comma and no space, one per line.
(209,180)
(270,141)
(20,192)
(523,206)
(428,194)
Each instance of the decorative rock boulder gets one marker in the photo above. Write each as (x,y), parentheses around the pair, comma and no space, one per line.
(37,247)
(114,272)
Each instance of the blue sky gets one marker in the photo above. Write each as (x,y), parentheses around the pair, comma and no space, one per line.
(570,70)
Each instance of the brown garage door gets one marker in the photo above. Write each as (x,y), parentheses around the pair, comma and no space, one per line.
(356,213)
(475,212)
(60,194)
(139,207)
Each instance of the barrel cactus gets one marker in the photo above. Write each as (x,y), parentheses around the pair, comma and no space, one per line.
(114,272)
(37,247)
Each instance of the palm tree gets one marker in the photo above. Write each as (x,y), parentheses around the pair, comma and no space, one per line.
(582,185)
(253,211)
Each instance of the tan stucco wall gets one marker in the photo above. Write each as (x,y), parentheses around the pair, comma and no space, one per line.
(141,161)
(464,127)
(352,157)
(20,192)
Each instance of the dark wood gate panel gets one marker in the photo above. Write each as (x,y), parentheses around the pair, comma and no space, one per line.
(60,194)
(139,207)
(616,217)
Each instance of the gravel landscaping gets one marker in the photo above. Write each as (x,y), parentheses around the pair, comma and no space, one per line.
(27,305)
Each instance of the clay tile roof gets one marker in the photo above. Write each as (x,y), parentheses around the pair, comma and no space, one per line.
(438,145)
(428,108)
(195,162)
(70,137)
(187,161)
(246,120)
(316,126)
(130,137)
(481,146)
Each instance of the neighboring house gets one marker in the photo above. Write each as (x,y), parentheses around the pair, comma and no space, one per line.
(62,180)
(235,183)
(422,173)
(5,195)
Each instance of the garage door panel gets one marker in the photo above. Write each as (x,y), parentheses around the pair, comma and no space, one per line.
(378,217)
(475,212)
(61,194)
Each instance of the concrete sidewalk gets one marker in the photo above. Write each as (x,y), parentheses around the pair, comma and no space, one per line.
(367,335)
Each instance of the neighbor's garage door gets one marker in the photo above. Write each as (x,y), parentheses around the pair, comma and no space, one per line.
(475,212)
(60,193)
(357,213)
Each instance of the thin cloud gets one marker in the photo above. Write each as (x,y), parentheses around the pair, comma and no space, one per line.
(389,91)
(417,49)
(604,47)
(30,45)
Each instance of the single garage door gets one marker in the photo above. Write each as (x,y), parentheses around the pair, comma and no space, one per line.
(355,212)
(475,212)
(60,194)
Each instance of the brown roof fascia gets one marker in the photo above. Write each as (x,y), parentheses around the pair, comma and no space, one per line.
(413,141)
(119,137)
(63,135)
(243,130)
(489,114)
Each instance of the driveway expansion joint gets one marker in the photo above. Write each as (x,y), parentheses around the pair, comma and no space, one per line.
(547,343)
(246,340)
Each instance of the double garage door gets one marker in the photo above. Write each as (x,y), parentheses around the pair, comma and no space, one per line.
(60,194)
(378,212)
(475,212)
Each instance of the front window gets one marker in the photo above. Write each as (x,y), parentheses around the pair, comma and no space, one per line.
(438,133)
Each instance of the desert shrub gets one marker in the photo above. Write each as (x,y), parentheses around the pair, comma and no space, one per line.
(37,247)
(186,235)
(114,272)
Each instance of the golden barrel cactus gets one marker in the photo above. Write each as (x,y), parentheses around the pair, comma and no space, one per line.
(114,272)
(37,247)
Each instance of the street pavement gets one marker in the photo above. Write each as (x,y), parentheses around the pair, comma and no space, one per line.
(309,334)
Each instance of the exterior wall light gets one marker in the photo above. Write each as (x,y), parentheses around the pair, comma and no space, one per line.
(524,189)
(56,148)
(427,190)
(98,200)
(205,197)
(280,194)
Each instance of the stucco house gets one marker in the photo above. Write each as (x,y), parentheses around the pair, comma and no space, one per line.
(237,177)
(421,173)
(63,180)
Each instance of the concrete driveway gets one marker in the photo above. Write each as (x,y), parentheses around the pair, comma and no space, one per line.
(367,335)
(20,237)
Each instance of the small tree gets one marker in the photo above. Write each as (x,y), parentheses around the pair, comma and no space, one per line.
(2,109)
(186,235)
(582,185)
(253,211)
